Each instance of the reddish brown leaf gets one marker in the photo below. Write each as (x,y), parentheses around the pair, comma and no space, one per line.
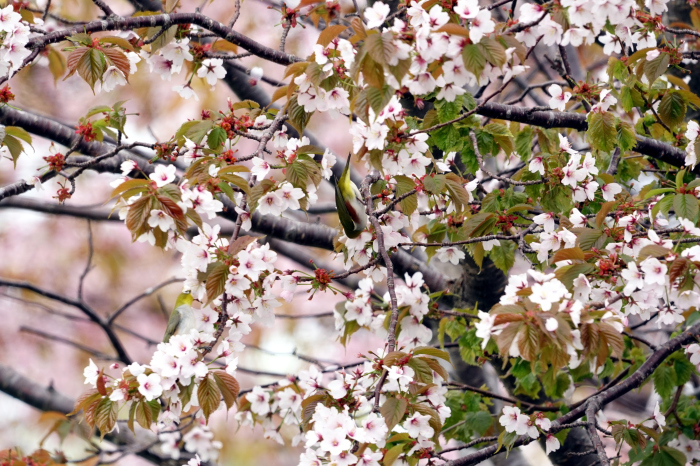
(73,59)
(137,217)
(101,389)
(118,59)
(209,396)
(229,387)
(216,281)
(574,253)
(678,268)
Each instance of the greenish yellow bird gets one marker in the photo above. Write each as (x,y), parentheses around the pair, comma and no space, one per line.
(182,319)
(347,199)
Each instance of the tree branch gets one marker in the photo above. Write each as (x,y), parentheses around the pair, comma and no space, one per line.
(47,399)
(607,396)
(113,338)
(550,119)
(166,21)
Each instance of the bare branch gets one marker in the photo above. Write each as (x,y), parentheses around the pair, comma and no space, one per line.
(88,266)
(148,292)
(96,318)
(65,341)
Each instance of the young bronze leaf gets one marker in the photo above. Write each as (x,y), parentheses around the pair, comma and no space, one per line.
(434,352)
(393,411)
(106,416)
(330,33)
(229,387)
(209,396)
(143,414)
(216,281)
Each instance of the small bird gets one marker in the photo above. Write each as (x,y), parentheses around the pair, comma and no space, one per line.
(347,199)
(182,319)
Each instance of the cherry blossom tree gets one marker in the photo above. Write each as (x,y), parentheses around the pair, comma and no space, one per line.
(532,224)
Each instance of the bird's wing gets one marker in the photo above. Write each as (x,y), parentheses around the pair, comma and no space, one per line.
(173,323)
(343,212)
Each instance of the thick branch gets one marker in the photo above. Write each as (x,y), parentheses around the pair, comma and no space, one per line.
(613,393)
(550,119)
(47,399)
(167,20)
(591,407)
(60,209)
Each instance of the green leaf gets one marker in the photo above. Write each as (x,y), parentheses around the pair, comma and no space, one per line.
(120,41)
(503,256)
(458,194)
(98,109)
(569,273)
(91,66)
(298,117)
(588,238)
(378,98)
(434,184)
(478,422)
(601,133)
(430,351)
(392,454)
(686,206)
(216,137)
(655,68)
(474,60)
(209,396)
(297,174)
(493,51)
(672,109)
(164,39)
(523,144)
(626,136)
(663,206)
(423,371)
(14,146)
(626,99)
(405,184)
(380,47)
(664,378)
(132,414)
(502,135)
(236,180)
(480,224)
(194,131)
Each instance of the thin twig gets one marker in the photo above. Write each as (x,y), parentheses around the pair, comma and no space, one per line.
(235,15)
(99,320)
(148,292)
(104,7)
(66,341)
(88,266)
(507,399)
